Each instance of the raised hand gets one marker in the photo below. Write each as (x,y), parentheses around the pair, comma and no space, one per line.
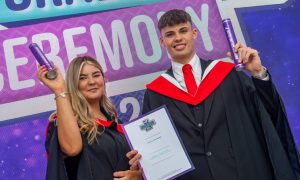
(249,58)
(56,85)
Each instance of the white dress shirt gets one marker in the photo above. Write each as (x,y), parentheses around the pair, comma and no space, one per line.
(197,71)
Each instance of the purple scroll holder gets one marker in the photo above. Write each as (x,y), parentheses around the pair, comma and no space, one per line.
(42,60)
(232,42)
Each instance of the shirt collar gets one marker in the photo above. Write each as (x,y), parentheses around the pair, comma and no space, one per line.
(194,62)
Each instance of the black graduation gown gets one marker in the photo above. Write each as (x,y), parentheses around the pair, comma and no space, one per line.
(96,161)
(255,115)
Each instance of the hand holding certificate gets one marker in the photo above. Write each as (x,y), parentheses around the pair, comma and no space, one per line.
(156,139)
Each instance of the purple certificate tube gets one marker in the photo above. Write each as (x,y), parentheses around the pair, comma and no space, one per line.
(232,42)
(42,60)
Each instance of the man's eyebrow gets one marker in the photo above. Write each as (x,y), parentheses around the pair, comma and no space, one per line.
(169,32)
(185,27)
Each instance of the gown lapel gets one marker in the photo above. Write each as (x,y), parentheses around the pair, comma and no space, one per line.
(166,85)
(207,107)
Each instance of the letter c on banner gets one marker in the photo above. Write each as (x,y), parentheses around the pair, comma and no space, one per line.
(12,5)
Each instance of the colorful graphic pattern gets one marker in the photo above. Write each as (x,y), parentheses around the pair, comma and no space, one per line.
(271,29)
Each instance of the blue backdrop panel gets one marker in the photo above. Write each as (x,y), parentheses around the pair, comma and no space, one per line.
(275,32)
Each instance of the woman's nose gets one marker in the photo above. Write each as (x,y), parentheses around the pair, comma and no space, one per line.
(91,80)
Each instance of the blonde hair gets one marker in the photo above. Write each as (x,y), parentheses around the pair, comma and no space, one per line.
(80,105)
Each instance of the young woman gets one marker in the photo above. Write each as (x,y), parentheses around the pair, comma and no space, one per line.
(84,137)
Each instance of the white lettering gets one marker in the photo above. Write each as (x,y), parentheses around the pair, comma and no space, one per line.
(1,82)
(159,14)
(119,37)
(72,50)
(135,106)
(12,63)
(138,41)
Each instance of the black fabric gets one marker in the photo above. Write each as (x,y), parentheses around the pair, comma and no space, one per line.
(96,161)
(55,164)
(71,164)
(279,119)
(241,136)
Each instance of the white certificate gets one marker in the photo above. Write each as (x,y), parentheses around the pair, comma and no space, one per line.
(155,137)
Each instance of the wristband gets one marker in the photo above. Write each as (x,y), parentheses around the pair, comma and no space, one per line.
(62,94)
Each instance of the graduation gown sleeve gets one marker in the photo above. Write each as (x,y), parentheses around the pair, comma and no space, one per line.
(55,164)
(266,93)
(275,107)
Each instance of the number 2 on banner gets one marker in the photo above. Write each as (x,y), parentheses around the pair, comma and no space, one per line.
(135,105)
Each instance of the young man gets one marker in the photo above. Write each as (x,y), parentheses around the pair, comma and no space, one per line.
(233,127)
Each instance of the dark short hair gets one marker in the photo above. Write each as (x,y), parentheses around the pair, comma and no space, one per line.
(173,17)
